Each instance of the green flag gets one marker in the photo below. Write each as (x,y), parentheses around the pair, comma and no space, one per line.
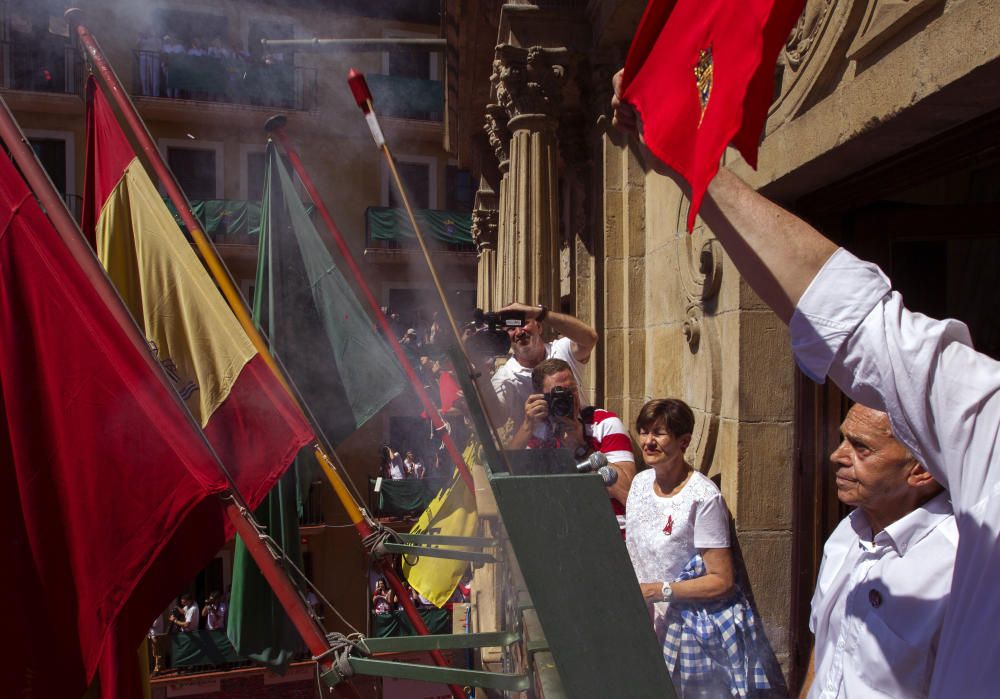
(344,370)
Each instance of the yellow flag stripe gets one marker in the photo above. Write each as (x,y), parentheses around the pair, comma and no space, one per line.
(168,291)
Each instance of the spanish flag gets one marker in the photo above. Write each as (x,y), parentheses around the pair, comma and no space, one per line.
(701,75)
(244,411)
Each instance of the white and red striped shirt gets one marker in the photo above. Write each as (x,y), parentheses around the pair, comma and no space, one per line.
(605,433)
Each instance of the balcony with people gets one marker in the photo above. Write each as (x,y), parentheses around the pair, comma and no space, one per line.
(33,58)
(191,56)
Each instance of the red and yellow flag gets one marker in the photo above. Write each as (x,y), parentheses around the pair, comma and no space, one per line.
(246,414)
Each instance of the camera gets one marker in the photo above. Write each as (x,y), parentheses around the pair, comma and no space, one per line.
(488,331)
(560,402)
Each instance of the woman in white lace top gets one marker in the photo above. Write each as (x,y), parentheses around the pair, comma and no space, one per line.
(677,535)
(674,512)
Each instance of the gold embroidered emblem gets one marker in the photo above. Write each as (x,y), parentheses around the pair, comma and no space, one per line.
(703,74)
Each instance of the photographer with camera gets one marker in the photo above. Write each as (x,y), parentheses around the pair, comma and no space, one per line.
(554,418)
(186,616)
(512,381)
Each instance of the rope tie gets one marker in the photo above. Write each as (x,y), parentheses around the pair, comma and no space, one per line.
(374,542)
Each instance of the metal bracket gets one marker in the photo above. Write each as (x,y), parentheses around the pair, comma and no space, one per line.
(445,675)
(434,539)
(434,552)
(406,644)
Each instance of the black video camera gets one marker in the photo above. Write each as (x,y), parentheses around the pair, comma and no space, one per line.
(489,332)
(560,402)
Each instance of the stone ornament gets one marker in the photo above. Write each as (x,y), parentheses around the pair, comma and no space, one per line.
(497,133)
(529,81)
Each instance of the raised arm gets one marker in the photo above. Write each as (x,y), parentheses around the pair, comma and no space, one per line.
(583,337)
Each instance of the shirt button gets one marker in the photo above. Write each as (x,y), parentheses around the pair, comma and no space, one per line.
(875,597)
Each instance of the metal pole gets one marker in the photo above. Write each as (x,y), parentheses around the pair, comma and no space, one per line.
(363,98)
(333,45)
(325,457)
(276,126)
(67,229)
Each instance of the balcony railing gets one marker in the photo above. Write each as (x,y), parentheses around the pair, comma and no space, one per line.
(232,80)
(51,66)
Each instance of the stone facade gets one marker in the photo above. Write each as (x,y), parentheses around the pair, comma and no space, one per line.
(860,84)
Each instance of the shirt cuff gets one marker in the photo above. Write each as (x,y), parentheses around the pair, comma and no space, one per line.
(837,300)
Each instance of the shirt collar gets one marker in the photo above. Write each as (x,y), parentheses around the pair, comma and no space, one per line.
(907,531)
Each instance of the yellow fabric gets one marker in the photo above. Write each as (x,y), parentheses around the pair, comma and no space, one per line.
(170,293)
(451,513)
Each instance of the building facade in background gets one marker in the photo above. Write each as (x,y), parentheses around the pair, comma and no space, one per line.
(881,133)
(205,86)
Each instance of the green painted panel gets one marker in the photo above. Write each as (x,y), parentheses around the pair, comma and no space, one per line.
(581,580)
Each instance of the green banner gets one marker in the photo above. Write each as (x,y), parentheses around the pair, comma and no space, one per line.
(396,624)
(202,648)
(447,227)
(235,218)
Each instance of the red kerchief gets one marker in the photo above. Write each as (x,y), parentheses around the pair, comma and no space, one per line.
(700,73)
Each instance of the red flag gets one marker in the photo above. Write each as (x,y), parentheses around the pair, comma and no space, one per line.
(108,493)
(700,73)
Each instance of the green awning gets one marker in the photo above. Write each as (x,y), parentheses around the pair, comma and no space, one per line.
(447,227)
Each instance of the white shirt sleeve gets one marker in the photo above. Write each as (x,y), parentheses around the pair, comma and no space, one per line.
(942,397)
(711,523)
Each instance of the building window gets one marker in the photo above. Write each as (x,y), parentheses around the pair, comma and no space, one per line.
(195,169)
(51,154)
(184,27)
(419,180)
(459,192)
(255,162)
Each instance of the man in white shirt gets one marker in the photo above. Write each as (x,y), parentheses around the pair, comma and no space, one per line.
(883,587)
(191,615)
(942,397)
(512,381)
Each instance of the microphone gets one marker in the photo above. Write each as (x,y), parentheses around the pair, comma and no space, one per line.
(598,463)
(609,475)
(593,463)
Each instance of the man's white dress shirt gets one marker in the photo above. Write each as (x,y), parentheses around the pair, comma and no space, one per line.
(943,399)
(880,603)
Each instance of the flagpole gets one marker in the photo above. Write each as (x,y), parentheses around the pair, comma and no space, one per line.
(276,126)
(235,508)
(327,459)
(364,100)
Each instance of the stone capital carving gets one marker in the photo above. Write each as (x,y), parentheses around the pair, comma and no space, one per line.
(529,81)
(484,229)
(497,131)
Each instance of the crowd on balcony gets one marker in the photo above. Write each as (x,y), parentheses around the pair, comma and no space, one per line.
(384,600)
(209,69)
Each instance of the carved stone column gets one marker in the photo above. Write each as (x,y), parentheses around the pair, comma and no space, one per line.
(484,231)
(501,289)
(528,84)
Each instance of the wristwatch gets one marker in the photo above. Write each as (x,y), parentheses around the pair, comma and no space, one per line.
(666,592)
(542,313)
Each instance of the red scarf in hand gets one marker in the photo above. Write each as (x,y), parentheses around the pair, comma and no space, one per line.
(700,73)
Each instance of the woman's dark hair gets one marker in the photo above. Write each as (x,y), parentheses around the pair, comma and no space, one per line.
(674,413)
